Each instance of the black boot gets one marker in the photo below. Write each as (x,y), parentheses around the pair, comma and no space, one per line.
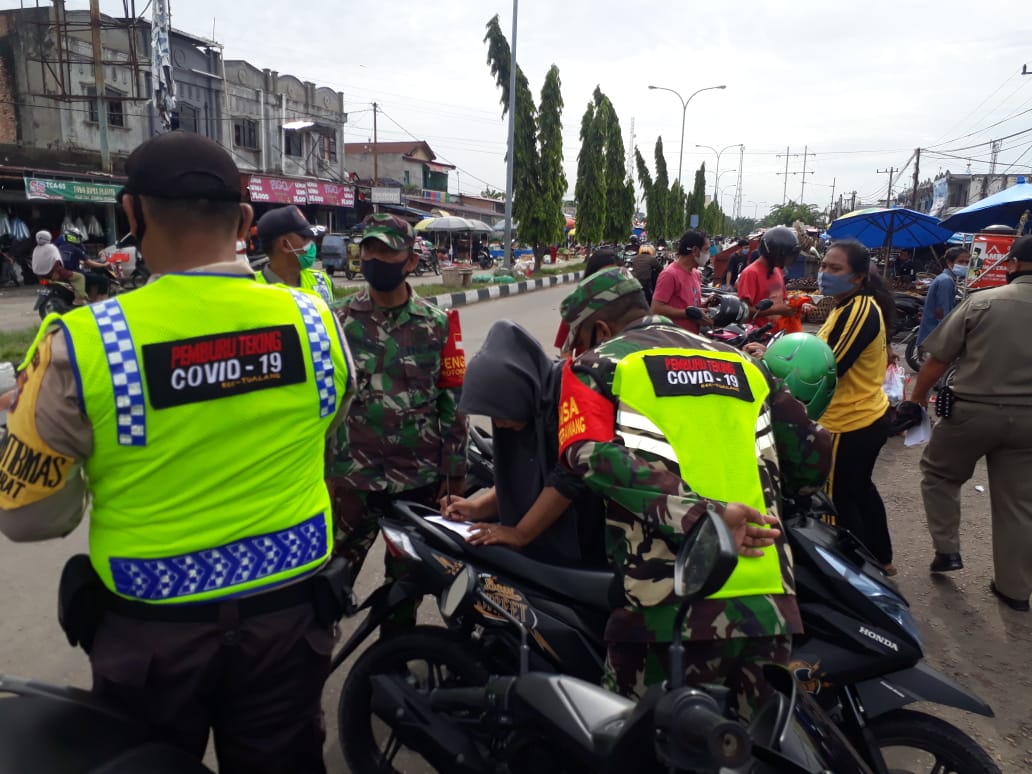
(946,562)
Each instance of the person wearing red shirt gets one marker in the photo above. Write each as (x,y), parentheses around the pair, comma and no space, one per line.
(678,293)
(763,278)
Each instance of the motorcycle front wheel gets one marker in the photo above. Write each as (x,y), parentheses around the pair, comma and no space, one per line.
(427,657)
(915,743)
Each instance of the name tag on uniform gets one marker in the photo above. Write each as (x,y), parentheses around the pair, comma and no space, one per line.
(674,377)
(222,365)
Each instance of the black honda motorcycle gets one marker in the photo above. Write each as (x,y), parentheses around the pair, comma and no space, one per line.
(861,655)
(543,722)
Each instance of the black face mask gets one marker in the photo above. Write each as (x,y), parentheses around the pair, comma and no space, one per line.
(383,276)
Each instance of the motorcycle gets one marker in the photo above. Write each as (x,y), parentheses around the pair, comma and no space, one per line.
(484,259)
(861,654)
(53,298)
(57,730)
(908,313)
(556,723)
(427,263)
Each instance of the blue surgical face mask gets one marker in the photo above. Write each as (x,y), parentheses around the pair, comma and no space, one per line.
(960,271)
(834,284)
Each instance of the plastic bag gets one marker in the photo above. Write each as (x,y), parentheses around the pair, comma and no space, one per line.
(895,378)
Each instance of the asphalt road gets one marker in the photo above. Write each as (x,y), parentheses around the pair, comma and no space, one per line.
(967,634)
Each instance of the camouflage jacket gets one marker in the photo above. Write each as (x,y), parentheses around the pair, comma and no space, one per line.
(403,430)
(649,504)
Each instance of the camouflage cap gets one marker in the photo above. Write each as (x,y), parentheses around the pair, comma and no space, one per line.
(393,231)
(594,293)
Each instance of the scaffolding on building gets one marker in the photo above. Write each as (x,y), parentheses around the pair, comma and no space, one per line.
(53,50)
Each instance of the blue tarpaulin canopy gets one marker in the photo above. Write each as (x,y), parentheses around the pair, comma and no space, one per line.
(890,227)
(1004,209)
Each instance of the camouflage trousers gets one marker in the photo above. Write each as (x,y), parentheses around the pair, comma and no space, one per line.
(737,663)
(356,516)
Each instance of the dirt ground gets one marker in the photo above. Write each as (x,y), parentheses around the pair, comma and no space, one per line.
(974,639)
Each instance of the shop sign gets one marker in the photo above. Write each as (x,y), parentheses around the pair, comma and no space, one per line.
(70,191)
(989,261)
(283,191)
(386,195)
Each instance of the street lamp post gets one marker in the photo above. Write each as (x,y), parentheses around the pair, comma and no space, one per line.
(719,153)
(716,184)
(755,207)
(684,112)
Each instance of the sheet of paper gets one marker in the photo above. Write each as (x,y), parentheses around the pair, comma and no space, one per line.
(463,528)
(919,434)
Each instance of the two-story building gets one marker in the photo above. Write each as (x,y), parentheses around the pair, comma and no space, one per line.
(284,133)
(287,136)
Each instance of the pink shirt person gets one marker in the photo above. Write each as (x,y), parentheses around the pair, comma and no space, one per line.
(680,288)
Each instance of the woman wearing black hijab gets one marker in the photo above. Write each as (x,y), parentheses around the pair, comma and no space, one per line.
(541,508)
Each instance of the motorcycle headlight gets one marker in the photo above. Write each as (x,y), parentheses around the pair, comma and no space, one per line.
(887,600)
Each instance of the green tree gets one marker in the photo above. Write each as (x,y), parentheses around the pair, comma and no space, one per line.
(787,214)
(676,202)
(619,200)
(590,191)
(697,198)
(646,183)
(490,193)
(661,229)
(538,179)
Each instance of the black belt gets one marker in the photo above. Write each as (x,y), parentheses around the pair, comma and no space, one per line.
(210,611)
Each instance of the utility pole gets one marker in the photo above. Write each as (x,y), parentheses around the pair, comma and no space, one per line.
(511,146)
(784,194)
(852,205)
(376,150)
(802,189)
(917,172)
(376,156)
(737,209)
(789,155)
(890,172)
(100,85)
(831,205)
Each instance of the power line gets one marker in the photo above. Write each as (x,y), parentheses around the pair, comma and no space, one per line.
(447,161)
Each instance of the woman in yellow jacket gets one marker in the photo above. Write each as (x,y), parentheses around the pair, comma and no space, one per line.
(858,417)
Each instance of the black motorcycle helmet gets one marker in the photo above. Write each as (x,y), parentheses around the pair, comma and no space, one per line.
(731,310)
(779,244)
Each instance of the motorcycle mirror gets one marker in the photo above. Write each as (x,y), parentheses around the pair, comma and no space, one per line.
(459,591)
(765,304)
(706,560)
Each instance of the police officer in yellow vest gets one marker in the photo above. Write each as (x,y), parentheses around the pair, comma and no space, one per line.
(289,241)
(667,426)
(208,599)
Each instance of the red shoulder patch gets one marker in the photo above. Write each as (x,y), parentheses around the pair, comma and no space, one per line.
(584,415)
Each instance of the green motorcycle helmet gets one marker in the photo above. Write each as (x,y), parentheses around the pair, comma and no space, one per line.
(807,367)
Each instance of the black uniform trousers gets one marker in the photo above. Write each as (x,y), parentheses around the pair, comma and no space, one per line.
(256,682)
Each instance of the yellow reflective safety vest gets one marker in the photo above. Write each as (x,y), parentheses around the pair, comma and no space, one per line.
(707,412)
(194,385)
(310,279)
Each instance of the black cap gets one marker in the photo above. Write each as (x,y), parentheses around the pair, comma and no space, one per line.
(284,220)
(1022,249)
(184,166)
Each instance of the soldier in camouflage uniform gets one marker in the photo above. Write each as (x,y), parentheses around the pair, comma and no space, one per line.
(404,438)
(651,501)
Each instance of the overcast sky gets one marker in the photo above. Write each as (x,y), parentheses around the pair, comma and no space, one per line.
(860,84)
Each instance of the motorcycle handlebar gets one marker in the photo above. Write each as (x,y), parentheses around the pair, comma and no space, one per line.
(702,727)
(757,334)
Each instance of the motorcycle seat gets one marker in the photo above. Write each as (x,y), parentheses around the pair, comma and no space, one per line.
(593,588)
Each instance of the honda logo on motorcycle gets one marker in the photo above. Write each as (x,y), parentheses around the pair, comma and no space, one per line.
(879,638)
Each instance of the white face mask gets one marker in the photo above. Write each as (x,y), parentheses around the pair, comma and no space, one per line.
(702,259)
